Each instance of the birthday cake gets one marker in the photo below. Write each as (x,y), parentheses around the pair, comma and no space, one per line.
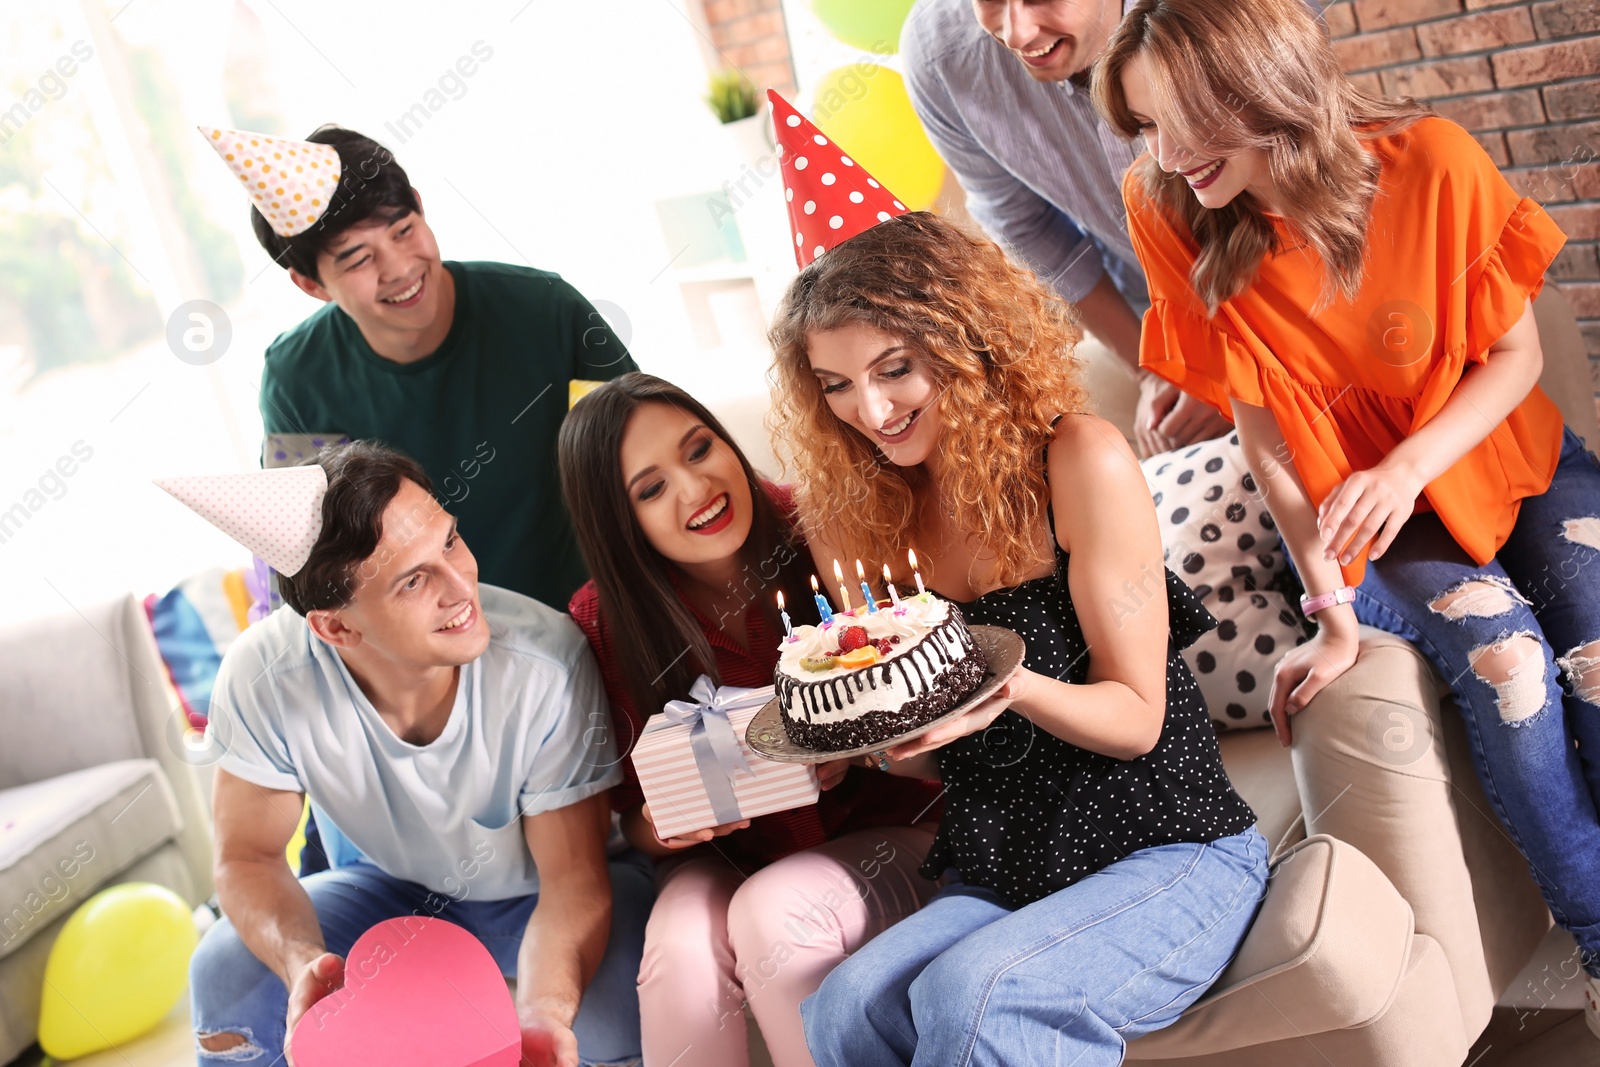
(869,676)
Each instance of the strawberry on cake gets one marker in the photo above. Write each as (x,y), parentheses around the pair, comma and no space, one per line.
(870,676)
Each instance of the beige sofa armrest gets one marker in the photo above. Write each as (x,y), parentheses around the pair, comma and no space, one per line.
(1372,758)
(1328,949)
(161,725)
(1113,387)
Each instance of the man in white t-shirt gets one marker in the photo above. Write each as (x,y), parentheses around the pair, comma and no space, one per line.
(458,734)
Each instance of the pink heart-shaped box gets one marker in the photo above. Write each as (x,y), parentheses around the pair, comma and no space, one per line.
(418,992)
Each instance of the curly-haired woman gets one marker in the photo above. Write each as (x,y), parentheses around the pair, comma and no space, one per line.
(1353,279)
(1104,869)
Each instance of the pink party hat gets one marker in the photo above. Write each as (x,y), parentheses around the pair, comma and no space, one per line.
(277,514)
(291,182)
(831,197)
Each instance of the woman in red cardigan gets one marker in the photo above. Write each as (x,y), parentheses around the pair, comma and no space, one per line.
(688,550)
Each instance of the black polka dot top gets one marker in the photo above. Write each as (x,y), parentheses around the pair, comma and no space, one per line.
(1027,813)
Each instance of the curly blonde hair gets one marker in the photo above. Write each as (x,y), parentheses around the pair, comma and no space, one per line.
(1000,346)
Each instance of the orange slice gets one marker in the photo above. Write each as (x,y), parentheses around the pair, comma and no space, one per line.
(857,658)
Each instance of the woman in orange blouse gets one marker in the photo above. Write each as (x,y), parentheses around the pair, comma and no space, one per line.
(1351,280)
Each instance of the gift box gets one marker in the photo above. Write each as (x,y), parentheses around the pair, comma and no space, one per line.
(697,771)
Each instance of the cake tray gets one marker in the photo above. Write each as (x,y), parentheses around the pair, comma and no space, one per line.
(1002,648)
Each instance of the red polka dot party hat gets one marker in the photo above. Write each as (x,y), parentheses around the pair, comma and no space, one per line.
(276,513)
(831,197)
(290,182)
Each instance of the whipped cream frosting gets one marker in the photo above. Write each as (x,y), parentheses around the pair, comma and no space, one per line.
(916,616)
(926,637)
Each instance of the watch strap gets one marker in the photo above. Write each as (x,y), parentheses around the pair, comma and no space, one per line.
(1310,605)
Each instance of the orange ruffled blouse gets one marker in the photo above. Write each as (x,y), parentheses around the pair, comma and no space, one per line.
(1453,254)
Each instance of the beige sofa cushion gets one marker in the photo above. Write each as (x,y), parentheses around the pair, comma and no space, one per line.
(67,695)
(1421,1027)
(1262,772)
(1566,363)
(1328,951)
(64,837)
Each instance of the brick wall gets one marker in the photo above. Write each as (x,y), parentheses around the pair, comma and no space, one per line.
(1525,79)
(751,36)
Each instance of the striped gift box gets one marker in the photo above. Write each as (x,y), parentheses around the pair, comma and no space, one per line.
(683,778)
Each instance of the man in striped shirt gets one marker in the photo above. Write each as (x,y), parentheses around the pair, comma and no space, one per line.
(1004,97)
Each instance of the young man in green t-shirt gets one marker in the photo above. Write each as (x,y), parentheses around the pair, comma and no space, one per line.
(464,366)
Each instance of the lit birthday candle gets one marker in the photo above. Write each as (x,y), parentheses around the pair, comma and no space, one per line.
(911,554)
(822,603)
(894,596)
(788,630)
(844,590)
(866,590)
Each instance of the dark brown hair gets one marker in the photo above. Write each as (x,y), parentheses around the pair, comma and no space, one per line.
(649,622)
(1234,75)
(998,343)
(363,479)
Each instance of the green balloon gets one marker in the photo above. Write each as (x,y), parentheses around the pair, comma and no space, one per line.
(873,25)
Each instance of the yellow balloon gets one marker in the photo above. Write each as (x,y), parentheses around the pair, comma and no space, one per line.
(865,109)
(578,388)
(117,969)
(297,843)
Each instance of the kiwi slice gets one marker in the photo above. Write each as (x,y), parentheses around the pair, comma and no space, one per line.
(818,663)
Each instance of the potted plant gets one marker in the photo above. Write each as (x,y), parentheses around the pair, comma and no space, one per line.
(732,98)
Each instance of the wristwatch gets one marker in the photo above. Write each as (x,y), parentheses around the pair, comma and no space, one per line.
(1310,605)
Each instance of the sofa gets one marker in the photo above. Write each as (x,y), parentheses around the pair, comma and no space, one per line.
(1397,911)
(94,787)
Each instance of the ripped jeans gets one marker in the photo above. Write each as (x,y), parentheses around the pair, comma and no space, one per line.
(1518,641)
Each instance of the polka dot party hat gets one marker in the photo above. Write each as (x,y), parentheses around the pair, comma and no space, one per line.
(277,513)
(831,198)
(291,182)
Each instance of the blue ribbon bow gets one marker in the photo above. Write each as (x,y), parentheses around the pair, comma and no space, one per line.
(712,738)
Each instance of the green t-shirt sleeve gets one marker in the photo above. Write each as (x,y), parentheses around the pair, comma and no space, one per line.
(278,414)
(598,354)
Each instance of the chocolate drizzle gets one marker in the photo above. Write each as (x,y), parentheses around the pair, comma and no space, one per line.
(935,674)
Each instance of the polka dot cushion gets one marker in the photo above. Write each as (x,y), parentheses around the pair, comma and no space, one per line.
(1217,535)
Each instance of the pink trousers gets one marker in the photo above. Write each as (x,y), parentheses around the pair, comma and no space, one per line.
(717,940)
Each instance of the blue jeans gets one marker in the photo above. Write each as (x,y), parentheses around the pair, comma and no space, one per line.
(1512,639)
(1064,980)
(233,992)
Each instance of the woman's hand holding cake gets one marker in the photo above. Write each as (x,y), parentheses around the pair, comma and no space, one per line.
(974,721)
